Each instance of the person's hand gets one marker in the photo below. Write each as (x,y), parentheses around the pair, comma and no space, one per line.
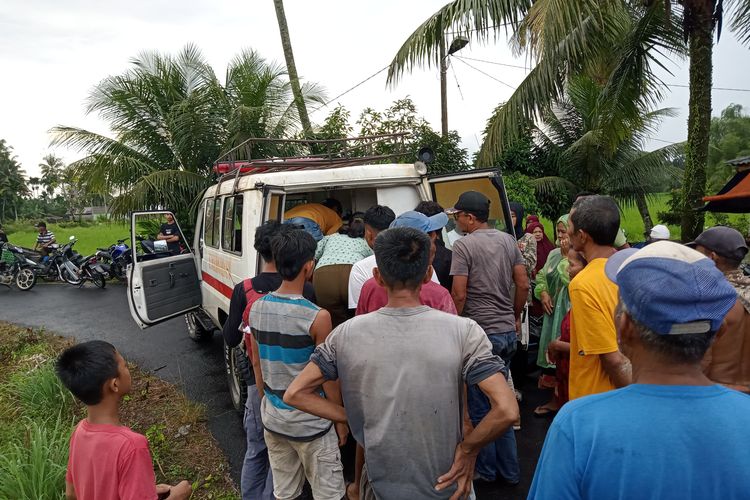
(547,304)
(518,327)
(461,473)
(342,430)
(181,491)
(162,491)
(564,246)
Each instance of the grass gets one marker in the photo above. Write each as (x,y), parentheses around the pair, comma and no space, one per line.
(632,223)
(37,416)
(89,237)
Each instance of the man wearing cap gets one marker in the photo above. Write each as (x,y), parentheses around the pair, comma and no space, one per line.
(373,296)
(596,364)
(378,218)
(45,239)
(486,265)
(728,360)
(672,434)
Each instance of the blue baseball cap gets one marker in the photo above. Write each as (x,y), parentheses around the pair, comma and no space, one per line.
(420,221)
(671,289)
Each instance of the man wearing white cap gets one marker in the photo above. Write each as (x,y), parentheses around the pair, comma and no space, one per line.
(672,433)
(658,233)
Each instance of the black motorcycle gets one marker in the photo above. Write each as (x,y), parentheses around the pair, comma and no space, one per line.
(57,265)
(115,259)
(82,269)
(16,268)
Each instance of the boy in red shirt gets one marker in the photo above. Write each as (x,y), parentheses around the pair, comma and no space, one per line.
(107,460)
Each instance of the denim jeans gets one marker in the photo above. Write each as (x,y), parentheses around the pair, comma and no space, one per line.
(256,482)
(501,456)
(308,225)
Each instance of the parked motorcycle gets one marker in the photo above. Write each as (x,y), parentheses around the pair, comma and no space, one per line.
(78,269)
(115,259)
(57,265)
(16,268)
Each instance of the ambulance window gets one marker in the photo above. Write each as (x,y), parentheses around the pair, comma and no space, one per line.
(275,207)
(232,230)
(213,222)
(447,193)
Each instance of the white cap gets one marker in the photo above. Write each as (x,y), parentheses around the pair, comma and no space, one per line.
(660,232)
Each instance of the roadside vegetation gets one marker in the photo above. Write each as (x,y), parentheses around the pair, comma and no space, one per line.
(37,416)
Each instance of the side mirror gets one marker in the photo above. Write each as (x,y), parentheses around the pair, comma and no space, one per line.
(72,238)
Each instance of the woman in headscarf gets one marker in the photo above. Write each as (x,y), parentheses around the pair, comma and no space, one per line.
(552,292)
(543,245)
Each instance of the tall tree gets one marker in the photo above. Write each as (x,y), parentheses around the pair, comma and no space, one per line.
(52,168)
(286,44)
(12,182)
(568,38)
(700,18)
(171,120)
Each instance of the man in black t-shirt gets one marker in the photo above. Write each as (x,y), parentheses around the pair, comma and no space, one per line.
(170,233)
(256,481)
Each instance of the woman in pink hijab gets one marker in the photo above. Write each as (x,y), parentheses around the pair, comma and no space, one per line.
(543,245)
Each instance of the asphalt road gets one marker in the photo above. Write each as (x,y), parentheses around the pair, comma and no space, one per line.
(198,368)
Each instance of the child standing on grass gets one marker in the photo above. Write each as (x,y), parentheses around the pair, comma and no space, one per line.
(107,460)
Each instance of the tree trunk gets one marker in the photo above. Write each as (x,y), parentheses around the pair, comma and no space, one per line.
(286,44)
(699,116)
(640,201)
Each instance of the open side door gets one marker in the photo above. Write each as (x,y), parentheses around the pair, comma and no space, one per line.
(446,189)
(162,283)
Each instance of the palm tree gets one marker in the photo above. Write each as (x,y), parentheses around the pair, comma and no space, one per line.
(286,44)
(12,181)
(573,135)
(51,168)
(700,18)
(572,37)
(171,119)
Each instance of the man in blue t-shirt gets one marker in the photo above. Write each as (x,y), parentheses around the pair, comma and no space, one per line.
(672,434)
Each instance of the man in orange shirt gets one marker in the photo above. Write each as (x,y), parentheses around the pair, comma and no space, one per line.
(318,219)
(596,363)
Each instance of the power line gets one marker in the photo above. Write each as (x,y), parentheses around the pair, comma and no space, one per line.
(350,89)
(503,25)
(461,92)
(492,62)
(712,88)
(485,74)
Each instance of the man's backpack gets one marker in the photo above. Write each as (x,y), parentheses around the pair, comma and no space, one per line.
(251,296)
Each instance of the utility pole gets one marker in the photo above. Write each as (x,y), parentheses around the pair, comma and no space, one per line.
(286,44)
(443,88)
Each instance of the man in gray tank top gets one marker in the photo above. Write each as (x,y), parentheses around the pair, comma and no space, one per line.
(286,327)
(402,370)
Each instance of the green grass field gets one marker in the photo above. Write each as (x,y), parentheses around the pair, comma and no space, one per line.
(89,237)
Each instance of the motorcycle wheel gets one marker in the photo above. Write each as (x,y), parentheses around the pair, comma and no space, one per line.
(25,279)
(98,279)
(69,278)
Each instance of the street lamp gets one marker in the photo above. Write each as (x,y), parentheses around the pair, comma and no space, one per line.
(456,45)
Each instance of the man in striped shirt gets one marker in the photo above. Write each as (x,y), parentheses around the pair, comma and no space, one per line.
(45,239)
(286,327)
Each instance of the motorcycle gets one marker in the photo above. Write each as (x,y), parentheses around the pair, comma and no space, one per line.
(16,268)
(57,266)
(78,269)
(115,259)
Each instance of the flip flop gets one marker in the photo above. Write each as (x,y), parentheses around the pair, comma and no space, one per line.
(542,412)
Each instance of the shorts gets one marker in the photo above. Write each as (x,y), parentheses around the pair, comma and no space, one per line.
(318,460)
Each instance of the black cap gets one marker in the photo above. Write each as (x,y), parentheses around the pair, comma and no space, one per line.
(472,202)
(723,240)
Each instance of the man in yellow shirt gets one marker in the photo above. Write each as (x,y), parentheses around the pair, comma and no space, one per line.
(596,363)
(318,219)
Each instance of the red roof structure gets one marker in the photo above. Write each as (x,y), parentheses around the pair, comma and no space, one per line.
(734,197)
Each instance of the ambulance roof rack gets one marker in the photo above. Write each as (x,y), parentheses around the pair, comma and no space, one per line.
(274,155)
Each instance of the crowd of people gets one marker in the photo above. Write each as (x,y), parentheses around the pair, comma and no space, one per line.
(386,330)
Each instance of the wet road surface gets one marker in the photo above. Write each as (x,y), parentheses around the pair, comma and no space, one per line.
(198,368)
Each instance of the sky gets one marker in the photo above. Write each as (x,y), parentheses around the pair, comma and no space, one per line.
(52,53)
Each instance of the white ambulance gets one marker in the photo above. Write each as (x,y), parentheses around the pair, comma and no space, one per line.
(198,284)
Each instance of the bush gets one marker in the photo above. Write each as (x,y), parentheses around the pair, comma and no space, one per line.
(32,466)
(519,189)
